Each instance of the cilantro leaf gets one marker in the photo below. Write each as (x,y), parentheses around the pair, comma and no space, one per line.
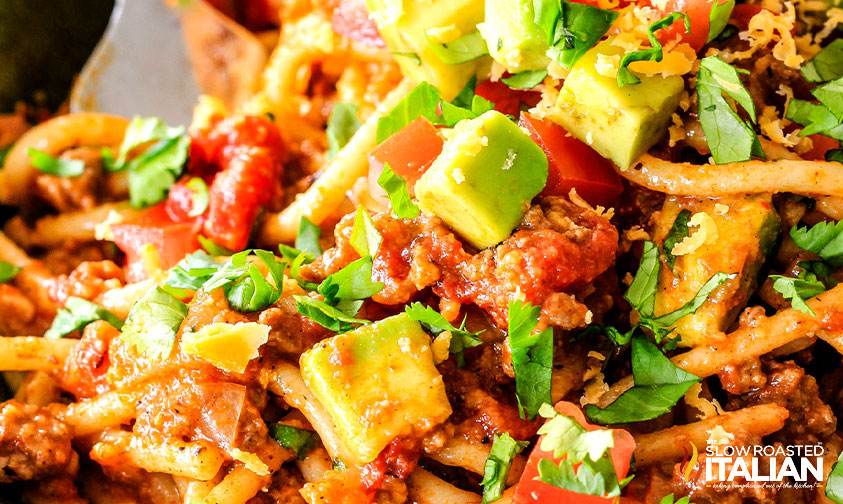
(730,138)
(827,65)
(834,155)
(718,18)
(199,201)
(678,232)
(353,282)
(193,271)
(300,441)
(655,53)
(830,95)
(326,315)
(797,290)
(498,463)
(4,151)
(824,239)
(815,119)
(659,384)
(212,248)
(583,480)
(411,55)
(668,499)
(420,102)
(525,80)
(342,124)
(425,101)
(572,28)
(834,482)
(467,48)
(642,291)
(156,169)
(532,358)
(55,166)
(565,436)
(399,197)
(8,271)
(307,240)
(434,322)
(78,313)
(365,237)
(715,281)
(153,323)
(141,131)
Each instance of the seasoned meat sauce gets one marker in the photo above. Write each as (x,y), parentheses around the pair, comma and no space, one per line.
(558,247)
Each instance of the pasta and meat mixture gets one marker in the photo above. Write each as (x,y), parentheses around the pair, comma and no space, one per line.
(445,252)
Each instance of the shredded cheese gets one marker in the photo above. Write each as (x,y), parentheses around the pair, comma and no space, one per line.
(441,347)
(720,209)
(594,389)
(772,127)
(767,27)
(103,231)
(251,461)
(718,436)
(707,408)
(706,233)
(677,130)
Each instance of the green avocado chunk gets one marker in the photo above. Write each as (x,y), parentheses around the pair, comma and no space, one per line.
(514,39)
(747,228)
(377,382)
(405,26)
(483,181)
(620,123)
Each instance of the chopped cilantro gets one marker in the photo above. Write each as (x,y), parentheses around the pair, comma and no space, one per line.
(153,323)
(659,384)
(678,232)
(342,124)
(55,166)
(730,138)
(300,441)
(655,53)
(718,18)
(498,463)
(571,28)
(434,322)
(326,315)
(76,314)
(827,65)
(8,271)
(307,240)
(532,358)
(398,194)
(525,80)
(467,48)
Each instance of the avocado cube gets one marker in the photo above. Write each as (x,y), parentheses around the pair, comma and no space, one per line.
(620,123)
(404,24)
(514,39)
(746,232)
(483,181)
(377,382)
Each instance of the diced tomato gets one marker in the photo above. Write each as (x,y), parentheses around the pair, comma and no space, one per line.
(351,19)
(742,13)
(179,202)
(821,145)
(699,12)
(172,239)
(573,164)
(247,153)
(530,490)
(507,101)
(409,152)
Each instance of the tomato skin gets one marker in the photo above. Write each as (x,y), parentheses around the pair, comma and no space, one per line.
(507,101)
(821,145)
(530,490)
(699,12)
(573,164)
(243,154)
(351,19)
(172,239)
(742,13)
(409,152)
